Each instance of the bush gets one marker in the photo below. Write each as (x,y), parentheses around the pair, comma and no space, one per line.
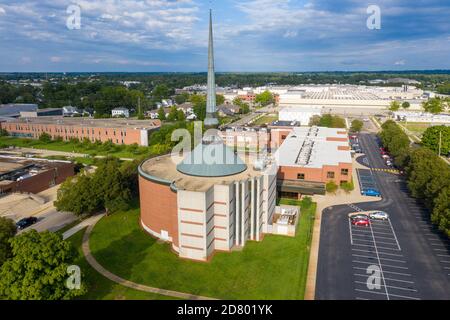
(347,186)
(45,138)
(331,187)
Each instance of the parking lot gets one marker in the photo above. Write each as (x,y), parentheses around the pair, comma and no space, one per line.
(403,258)
(377,248)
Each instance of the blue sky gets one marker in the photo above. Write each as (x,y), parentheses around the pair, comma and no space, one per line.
(251,35)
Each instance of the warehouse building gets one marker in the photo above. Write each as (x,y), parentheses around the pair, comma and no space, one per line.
(117,131)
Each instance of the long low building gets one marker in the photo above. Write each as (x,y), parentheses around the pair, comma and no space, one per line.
(32,175)
(117,131)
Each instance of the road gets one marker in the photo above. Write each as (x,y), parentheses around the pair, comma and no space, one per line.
(412,256)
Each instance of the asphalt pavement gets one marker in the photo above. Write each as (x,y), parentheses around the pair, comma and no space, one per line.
(403,258)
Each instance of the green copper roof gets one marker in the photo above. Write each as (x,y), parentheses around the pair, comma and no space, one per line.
(211,160)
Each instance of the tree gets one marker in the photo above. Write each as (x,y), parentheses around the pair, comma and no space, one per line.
(220,99)
(8,230)
(181,98)
(45,138)
(441,211)
(405,105)
(160,92)
(244,108)
(38,268)
(357,125)
(161,114)
(433,135)
(180,115)
(199,103)
(347,186)
(434,105)
(265,98)
(394,106)
(173,114)
(331,187)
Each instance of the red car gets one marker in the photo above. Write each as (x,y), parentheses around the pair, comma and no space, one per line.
(361,222)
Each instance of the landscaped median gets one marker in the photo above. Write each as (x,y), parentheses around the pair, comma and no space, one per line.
(275,268)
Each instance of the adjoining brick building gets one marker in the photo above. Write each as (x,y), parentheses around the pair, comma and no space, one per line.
(32,175)
(117,131)
(309,157)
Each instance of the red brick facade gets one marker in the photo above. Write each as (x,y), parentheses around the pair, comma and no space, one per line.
(159,208)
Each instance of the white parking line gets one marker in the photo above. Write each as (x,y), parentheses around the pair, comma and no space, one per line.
(445,250)
(399,288)
(388,279)
(367,245)
(361,235)
(444,261)
(386,265)
(395,236)
(368,257)
(396,273)
(350,228)
(383,242)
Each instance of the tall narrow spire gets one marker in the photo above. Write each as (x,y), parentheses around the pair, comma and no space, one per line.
(211,107)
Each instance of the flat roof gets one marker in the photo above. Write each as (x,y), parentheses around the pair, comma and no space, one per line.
(163,168)
(91,122)
(308,147)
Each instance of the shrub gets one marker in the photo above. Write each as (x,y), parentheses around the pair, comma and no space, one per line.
(331,187)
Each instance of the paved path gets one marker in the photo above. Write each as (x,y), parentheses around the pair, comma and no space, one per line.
(90,223)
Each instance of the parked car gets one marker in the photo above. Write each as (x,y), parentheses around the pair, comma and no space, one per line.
(371,192)
(361,222)
(26,222)
(379,215)
(359,217)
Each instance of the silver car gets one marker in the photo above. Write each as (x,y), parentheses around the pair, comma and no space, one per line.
(379,215)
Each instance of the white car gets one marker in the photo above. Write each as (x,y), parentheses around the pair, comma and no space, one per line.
(379,215)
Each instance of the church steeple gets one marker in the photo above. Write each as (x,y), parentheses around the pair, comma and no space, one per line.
(211,107)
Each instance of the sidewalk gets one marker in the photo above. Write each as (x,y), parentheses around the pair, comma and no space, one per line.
(83,224)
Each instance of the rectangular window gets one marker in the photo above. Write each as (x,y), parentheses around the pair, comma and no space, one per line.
(344,172)
(301,176)
(330,174)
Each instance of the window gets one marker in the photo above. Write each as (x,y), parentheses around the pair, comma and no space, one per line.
(283,137)
(344,172)
(301,176)
(330,174)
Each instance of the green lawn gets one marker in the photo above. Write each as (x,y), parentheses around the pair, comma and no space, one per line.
(265,120)
(275,268)
(416,127)
(117,151)
(100,288)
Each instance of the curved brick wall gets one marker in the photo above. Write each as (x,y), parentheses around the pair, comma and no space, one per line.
(159,209)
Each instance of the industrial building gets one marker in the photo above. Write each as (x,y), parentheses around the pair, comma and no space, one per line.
(32,175)
(117,131)
(302,114)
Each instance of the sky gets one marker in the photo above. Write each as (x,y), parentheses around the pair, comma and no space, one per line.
(250,35)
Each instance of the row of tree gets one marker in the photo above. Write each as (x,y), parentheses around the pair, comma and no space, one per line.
(433,105)
(427,174)
(328,120)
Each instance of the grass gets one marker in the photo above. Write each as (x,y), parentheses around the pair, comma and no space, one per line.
(265,120)
(99,287)
(117,151)
(416,127)
(275,268)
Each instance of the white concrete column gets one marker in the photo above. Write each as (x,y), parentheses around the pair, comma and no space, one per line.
(237,222)
(243,214)
(252,208)
(258,206)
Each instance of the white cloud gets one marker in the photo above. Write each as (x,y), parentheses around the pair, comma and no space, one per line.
(399,63)
(55,59)
(2,11)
